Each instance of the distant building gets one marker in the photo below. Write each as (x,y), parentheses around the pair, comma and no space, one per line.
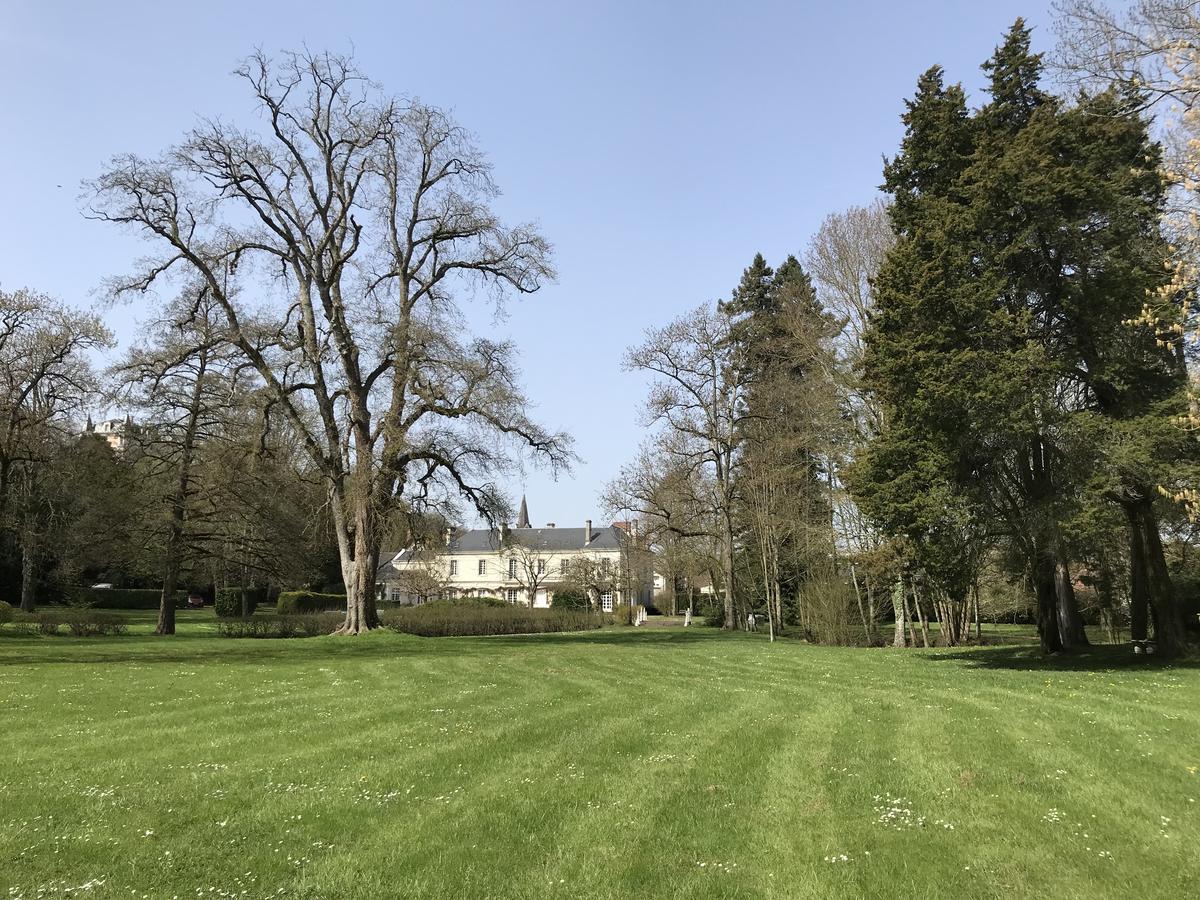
(525,565)
(117,433)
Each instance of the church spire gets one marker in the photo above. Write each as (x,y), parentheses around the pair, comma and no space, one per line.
(523,518)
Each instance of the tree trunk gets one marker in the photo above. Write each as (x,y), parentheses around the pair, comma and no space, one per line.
(1070,624)
(916,598)
(28,572)
(1104,597)
(166,603)
(1169,632)
(727,561)
(358,571)
(1139,581)
(899,608)
(862,611)
(1044,587)
(975,604)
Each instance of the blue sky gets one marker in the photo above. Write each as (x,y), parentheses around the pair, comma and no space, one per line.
(659,145)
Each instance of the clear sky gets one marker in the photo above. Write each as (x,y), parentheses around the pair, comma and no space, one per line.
(660,145)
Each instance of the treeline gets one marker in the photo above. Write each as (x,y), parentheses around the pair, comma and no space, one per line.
(184,492)
(955,397)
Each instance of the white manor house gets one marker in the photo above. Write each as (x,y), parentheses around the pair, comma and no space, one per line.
(525,565)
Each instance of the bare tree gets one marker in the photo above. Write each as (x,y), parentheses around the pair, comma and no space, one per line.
(45,378)
(844,256)
(592,575)
(425,574)
(363,217)
(531,562)
(699,399)
(673,504)
(188,381)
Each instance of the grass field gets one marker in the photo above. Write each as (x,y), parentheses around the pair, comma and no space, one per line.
(621,763)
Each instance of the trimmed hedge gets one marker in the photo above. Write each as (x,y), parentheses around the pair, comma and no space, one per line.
(121,598)
(291,603)
(461,619)
(6,612)
(79,622)
(235,602)
(308,625)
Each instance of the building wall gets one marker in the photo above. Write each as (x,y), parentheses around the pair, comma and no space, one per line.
(496,581)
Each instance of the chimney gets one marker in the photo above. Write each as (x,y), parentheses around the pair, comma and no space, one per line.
(587,532)
(503,530)
(447,534)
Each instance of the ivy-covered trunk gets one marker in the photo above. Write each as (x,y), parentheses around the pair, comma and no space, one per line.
(1046,593)
(1070,623)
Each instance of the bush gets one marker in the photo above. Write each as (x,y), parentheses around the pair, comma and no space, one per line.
(467,602)
(234,602)
(291,603)
(79,622)
(569,598)
(461,619)
(305,625)
(121,598)
(6,612)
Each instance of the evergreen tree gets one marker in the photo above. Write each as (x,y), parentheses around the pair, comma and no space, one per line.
(1026,241)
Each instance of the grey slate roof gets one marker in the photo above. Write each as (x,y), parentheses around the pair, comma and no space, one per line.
(551,540)
(482,540)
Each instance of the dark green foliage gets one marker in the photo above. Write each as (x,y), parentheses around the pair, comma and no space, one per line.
(461,619)
(569,598)
(297,602)
(121,598)
(6,612)
(1028,236)
(235,602)
(290,626)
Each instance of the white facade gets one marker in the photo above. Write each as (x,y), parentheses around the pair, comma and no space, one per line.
(522,565)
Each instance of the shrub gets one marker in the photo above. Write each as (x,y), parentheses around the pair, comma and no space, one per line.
(6,612)
(461,619)
(306,625)
(292,603)
(79,622)
(121,598)
(467,602)
(234,602)
(569,598)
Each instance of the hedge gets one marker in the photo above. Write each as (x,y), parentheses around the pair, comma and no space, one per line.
(569,598)
(292,603)
(455,620)
(233,602)
(310,625)
(79,622)
(6,612)
(122,598)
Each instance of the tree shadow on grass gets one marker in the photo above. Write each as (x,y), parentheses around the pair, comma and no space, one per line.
(1095,658)
(32,650)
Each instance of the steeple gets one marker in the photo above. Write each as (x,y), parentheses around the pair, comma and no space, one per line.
(523,518)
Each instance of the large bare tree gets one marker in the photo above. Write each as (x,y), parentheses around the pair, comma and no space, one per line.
(698,398)
(336,241)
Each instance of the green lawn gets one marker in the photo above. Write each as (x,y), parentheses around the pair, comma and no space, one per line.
(622,763)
